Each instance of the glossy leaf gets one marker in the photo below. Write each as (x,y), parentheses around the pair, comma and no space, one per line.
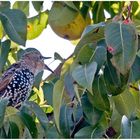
(122,42)
(52,133)
(89,53)
(86,54)
(66,120)
(13,130)
(29,123)
(41,116)
(15,27)
(91,34)
(115,82)
(92,114)
(48,90)
(3,104)
(58,93)
(2,133)
(135,129)
(36,25)
(115,121)
(27,134)
(90,132)
(5,48)
(84,75)
(11,115)
(122,103)
(99,99)
(69,85)
(85,132)
(58,57)
(38,79)
(100,55)
(23,6)
(134,73)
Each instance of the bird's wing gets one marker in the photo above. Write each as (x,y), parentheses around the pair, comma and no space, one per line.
(7,75)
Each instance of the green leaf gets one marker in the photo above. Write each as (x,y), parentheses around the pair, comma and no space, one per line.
(114,81)
(13,130)
(100,55)
(92,34)
(27,134)
(85,132)
(91,53)
(38,5)
(48,90)
(14,27)
(58,57)
(137,23)
(66,120)
(134,73)
(36,25)
(84,75)
(100,95)
(2,133)
(92,114)
(11,115)
(122,103)
(58,92)
(3,104)
(5,48)
(135,129)
(52,133)
(90,132)
(41,116)
(86,53)
(122,42)
(38,79)
(29,122)
(115,121)
(69,86)
(23,6)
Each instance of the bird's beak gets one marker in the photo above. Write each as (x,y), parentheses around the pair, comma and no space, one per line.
(46,57)
(47,68)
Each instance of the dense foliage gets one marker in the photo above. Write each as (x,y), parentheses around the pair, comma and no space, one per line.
(95,91)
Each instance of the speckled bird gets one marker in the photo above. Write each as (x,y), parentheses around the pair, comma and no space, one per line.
(17,81)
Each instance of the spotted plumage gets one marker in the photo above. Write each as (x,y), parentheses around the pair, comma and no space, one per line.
(17,80)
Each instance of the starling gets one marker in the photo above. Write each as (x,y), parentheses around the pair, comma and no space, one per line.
(17,81)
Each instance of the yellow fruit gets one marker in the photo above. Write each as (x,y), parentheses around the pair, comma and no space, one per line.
(66,22)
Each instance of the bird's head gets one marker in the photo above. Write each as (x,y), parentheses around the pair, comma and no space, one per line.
(35,61)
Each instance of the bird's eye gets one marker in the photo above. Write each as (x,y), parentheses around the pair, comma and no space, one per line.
(41,58)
